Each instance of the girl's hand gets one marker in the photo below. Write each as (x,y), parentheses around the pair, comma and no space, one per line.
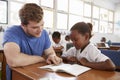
(83,61)
(72,59)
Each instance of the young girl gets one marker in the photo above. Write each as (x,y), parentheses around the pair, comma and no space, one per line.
(84,52)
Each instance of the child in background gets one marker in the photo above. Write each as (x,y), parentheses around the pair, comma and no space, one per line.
(67,39)
(84,52)
(103,39)
(57,45)
(68,42)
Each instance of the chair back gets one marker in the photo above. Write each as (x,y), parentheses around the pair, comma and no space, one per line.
(114,55)
(115,43)
(69,45)
(3,61)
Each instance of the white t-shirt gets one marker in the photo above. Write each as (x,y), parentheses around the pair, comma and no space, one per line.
(61,43)
(91,53)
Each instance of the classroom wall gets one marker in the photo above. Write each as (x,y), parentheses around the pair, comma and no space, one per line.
(1,39)
(117,20)
(105,4)
(97,36)
(115,37)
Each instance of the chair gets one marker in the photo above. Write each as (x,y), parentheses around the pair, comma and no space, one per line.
(115,43)
(114,56)
(69,45)
(3,61)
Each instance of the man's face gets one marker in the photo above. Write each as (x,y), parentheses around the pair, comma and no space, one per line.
(78,39)
(33,28)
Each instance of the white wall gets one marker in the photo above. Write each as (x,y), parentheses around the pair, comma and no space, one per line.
(1,39)
(117,20)
(105,4)
(115,37)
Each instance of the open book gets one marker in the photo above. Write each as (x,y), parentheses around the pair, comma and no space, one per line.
(73,69)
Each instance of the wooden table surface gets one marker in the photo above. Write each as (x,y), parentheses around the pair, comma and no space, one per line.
(32,72)
(114,47)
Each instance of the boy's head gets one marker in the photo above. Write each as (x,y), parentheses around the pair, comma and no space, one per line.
(56,36)
(103,39)
(67,37)
(80,34)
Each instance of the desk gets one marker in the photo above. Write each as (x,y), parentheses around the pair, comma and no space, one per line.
(32,72)
(103,48)
(114,47)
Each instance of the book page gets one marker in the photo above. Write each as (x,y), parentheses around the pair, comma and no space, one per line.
(55,67)
(73,69)
(76,69)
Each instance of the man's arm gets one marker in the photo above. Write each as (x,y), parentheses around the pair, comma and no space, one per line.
(105,65)
(15,58)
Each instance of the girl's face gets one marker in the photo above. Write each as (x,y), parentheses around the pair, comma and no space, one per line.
(79,40)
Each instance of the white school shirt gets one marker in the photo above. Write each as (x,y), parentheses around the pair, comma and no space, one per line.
(61,43)
(91,53)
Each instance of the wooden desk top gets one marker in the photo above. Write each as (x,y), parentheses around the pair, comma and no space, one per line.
(114,47)
(32,72)
(103,48)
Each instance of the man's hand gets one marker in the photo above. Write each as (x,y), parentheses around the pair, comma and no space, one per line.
(53,59)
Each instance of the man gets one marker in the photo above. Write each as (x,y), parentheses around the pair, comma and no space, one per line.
(26,43)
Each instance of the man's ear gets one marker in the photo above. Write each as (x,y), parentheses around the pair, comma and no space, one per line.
(22,24)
